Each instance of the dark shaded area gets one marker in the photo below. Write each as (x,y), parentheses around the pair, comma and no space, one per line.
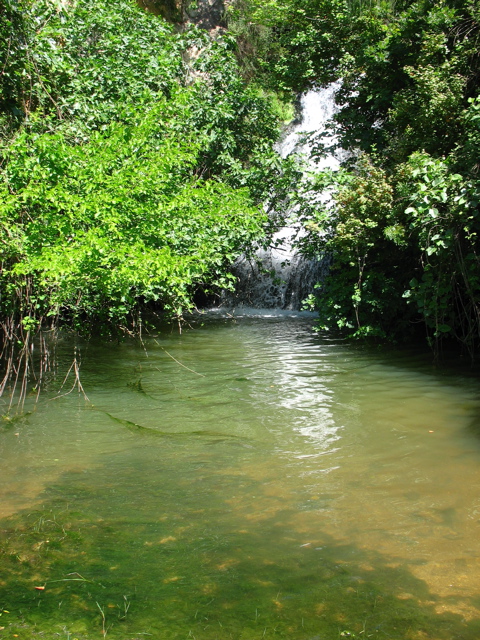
(170,10)
(186,561)
(207,14)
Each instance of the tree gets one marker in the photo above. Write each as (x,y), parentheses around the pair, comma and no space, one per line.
(129,176)
(403,227)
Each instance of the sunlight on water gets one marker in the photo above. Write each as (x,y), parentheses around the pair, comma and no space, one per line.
(245,479)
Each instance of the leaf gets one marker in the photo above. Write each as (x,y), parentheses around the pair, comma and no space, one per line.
(444,328)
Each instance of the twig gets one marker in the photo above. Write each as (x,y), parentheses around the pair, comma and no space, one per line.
(76,382)
(178,362)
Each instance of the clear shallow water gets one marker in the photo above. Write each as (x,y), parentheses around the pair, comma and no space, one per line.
(246,479)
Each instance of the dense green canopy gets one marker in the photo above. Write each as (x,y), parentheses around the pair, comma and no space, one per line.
(134,162)
(404,225)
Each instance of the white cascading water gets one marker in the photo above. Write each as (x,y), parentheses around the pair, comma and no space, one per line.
(281,278)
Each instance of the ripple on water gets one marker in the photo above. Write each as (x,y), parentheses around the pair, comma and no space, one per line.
(245,479)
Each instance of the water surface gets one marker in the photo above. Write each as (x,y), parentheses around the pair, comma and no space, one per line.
(245,479)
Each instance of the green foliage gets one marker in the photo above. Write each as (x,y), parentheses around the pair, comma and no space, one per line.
(92,63)
(239,122)
(403,82)
(83,65)
(443,220)
(290,44)
(134,163)
(13,48)
(403,227)
(359,230)
(120,219)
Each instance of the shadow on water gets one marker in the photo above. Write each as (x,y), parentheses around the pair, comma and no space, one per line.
(268,483)
(156,563)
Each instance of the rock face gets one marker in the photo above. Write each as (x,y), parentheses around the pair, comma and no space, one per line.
(207,14)
(171,10)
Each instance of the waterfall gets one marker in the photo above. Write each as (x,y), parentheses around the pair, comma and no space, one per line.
(280,277)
